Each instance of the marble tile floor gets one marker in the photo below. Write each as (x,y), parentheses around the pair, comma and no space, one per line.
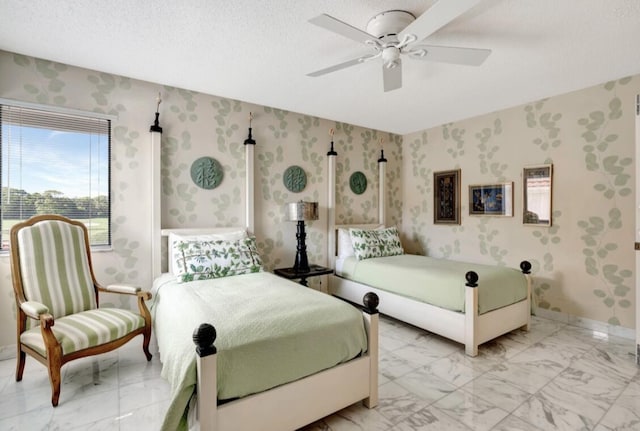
(554,377)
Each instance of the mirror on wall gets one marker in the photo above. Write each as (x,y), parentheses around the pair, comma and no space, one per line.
(536,202)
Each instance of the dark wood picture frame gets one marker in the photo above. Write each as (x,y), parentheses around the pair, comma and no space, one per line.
(446,197)
(491,199)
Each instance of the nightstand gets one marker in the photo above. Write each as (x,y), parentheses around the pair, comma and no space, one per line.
(314,271)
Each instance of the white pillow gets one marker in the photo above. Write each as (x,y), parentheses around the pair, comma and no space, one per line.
(345,249)
(174,238)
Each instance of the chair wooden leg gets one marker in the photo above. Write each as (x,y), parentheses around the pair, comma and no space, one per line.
(54,378)
(145,344)
(54,366)
(21,358)
(144,312)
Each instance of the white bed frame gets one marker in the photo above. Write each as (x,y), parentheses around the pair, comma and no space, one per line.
(289,406)
(468,328)
(295,404)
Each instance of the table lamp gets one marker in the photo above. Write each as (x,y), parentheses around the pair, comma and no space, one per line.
(301,211)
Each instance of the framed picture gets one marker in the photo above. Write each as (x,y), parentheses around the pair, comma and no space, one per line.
(536,195)
(491,199)
(446,197)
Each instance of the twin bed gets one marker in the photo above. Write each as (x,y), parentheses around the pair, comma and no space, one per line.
(465,302)
(286,355)
(468,303)
(244,349)
(273,355)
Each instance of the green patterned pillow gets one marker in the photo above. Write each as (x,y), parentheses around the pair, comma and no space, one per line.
(201,260)
(375,243)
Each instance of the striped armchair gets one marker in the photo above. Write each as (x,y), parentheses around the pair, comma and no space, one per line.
(54,285)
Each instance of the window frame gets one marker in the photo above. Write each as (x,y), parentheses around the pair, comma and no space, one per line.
(55,110)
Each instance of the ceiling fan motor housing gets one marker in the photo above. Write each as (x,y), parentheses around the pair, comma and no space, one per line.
(386,25)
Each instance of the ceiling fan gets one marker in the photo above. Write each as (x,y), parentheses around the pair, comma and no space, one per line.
(397,33)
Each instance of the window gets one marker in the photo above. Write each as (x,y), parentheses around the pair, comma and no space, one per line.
(55,162)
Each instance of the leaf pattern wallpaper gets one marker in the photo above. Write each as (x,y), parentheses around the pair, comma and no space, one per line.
(583,264)
(198,125)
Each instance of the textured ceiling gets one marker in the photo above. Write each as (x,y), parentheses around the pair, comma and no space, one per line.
(259,51)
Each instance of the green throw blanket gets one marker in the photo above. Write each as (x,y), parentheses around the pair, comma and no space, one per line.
(270,331)
(438,282)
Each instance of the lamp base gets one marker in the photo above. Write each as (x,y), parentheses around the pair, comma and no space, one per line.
(301,263)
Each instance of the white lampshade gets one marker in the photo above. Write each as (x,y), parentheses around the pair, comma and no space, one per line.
(297,211)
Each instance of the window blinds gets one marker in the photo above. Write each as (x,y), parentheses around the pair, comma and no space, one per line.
(55,163)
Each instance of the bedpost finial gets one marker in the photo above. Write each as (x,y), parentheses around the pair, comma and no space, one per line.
(472,279)
(382,158)
(155,127)
(203,337)
(250,140)
(371,301)
(332,152)
(525,266)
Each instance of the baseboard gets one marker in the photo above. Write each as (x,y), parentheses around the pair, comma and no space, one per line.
(7,352)
(582,322)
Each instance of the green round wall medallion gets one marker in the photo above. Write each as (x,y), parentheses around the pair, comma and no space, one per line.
(206,172)
(358,182)
(294,179)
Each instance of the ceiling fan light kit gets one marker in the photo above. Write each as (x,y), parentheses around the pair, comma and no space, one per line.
(392,34)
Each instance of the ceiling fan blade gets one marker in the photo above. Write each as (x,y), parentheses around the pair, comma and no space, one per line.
(451,54)
(339,66)
(437,16)
(342,28)
(392,76)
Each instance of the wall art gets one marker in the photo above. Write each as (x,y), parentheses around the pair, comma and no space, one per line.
(491,199)
(206,172)
(358,182)
(536,195)
(294,179)
(446,197)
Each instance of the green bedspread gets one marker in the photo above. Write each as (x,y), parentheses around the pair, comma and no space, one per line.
(438,282)
(270,331)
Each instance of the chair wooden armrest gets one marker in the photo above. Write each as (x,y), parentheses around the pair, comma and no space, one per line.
(126,290)
(145,295)
(34,309)
(121,288)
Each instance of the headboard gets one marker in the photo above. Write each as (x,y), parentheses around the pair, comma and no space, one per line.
(200,231)
(159,236)
(332,237)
